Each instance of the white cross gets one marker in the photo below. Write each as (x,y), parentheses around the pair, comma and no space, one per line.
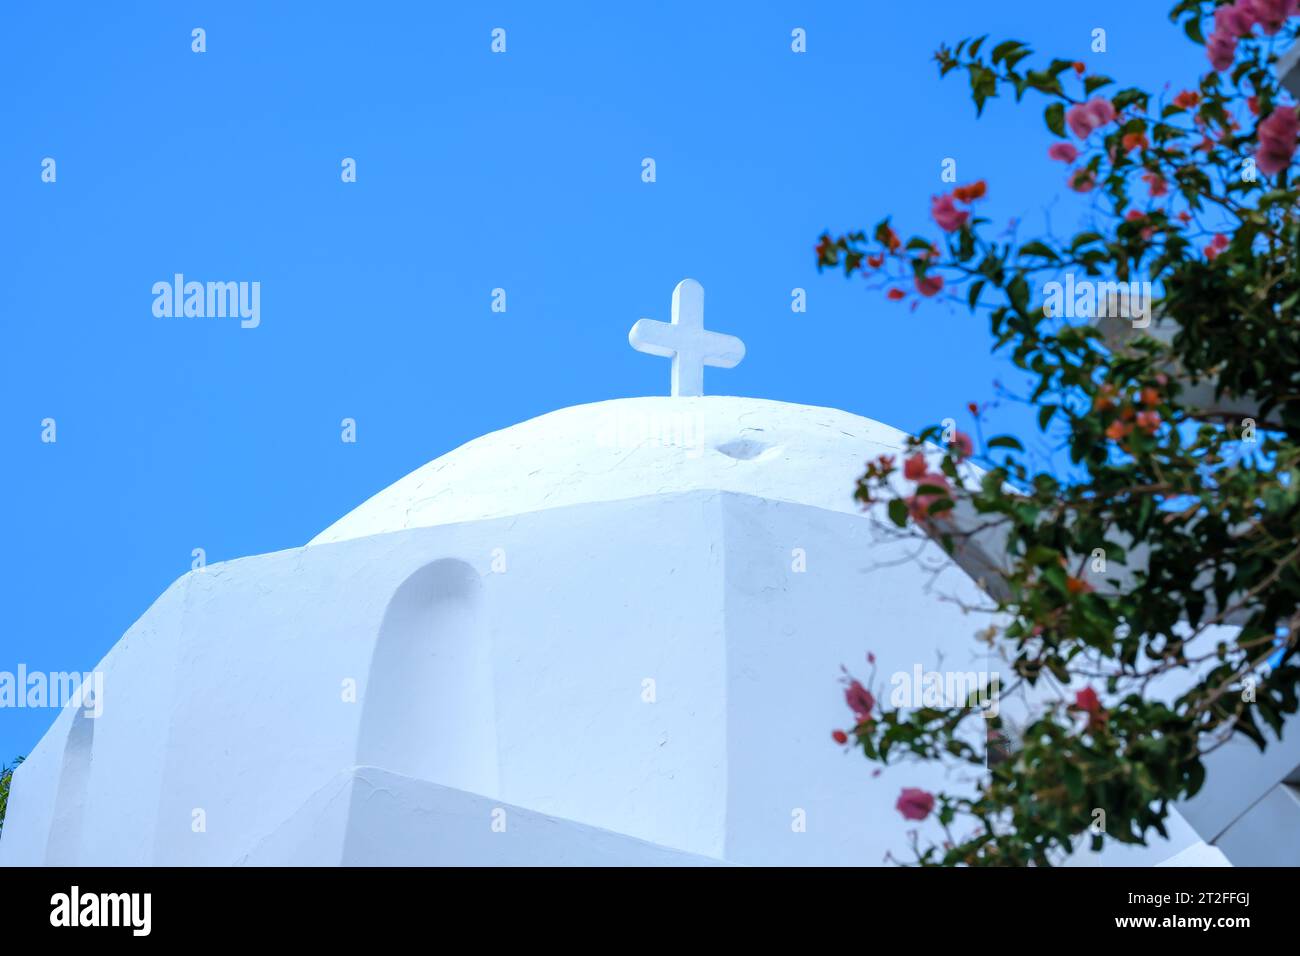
(686,341)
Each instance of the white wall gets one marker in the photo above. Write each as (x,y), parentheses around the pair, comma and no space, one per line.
(121,811)
(428,709)
(228,696)
(244,686)
(597,600)
(372,817)
(788,633)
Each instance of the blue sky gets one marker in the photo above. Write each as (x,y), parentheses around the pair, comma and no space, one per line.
(475,171)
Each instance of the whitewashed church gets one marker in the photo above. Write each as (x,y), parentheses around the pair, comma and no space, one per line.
(610,635)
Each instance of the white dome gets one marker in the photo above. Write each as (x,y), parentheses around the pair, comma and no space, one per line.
(629,448)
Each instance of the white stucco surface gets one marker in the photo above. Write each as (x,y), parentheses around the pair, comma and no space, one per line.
(633,648)
(371,817)
(589,453)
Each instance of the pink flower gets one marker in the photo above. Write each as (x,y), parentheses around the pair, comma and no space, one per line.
(1156,183)
(1136,215)
(929,285)
(962,445)
(859,699)
(1087,701)
(1221,48)
(1082,180)
(918,506)
(1270,14)
(1148,421)
(948,216)
(914,467)
(914,803)
(934,479)
(1132,141)
(1065,152)
(1083,118)
(1235,20)
(1277,140)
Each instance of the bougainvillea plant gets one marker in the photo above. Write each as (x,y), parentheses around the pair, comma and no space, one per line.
(1179,510)
(6,775)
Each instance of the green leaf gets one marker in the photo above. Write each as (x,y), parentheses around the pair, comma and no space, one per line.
(1005,47)
(1039,248)
(966,245)
(983,85)
(1245,725)
(1054,115)
(1044,82)
(1005,441)
(1128,97)
(1073,780)
(1015,57)
(898,512)
(1018,293)
(883,231)
(1043,556)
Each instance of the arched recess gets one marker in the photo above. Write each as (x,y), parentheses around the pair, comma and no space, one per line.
(429,709)
(64,845)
